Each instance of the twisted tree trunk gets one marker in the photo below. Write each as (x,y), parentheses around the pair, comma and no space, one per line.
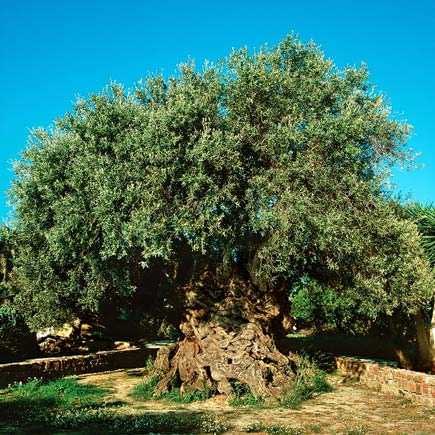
(227,339)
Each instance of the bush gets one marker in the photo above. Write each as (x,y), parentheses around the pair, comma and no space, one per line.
(310,380)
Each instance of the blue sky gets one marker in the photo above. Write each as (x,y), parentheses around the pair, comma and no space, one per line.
(53,51)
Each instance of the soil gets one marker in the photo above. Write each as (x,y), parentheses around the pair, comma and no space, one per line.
(349,409)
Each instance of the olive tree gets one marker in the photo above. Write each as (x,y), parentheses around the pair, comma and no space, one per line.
(222,186)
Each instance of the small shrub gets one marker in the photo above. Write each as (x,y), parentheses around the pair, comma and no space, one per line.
(310,380)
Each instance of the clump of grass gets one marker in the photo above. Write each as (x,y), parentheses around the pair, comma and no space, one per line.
(274,429)
(242,396)
(310,381)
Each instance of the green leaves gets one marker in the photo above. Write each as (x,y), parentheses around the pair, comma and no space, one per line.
(271,160)
(424,217)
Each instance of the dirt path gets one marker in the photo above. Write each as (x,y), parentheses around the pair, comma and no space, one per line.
(350,409)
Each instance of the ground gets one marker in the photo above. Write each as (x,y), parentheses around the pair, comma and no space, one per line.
(349,409)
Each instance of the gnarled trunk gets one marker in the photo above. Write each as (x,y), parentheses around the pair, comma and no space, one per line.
(227,339)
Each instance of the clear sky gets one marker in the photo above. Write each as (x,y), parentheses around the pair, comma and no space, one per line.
(52,51)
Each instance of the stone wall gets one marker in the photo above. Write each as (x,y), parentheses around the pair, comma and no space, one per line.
(48,368)
(387,379)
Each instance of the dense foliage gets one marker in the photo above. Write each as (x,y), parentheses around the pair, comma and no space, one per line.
(271,161)
(6,262)
(424,216)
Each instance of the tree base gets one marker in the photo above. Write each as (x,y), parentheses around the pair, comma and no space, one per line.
(216,358)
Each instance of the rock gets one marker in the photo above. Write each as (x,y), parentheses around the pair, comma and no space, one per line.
(121,345)
(67,330)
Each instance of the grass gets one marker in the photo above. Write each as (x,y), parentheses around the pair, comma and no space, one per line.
(36,395)
(65,404)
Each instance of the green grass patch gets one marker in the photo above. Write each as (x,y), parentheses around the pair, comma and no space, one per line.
(34,400)
(64,392)
(65,404)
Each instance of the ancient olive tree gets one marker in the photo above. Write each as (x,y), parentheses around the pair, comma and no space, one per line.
(223,187)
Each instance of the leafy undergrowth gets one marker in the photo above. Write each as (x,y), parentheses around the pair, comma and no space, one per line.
(66,404)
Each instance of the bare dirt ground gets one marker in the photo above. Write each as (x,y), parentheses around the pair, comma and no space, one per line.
(349,409)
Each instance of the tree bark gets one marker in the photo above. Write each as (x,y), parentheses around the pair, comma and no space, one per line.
(227,339)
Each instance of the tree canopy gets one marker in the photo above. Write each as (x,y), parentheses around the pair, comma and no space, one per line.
(269,161)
